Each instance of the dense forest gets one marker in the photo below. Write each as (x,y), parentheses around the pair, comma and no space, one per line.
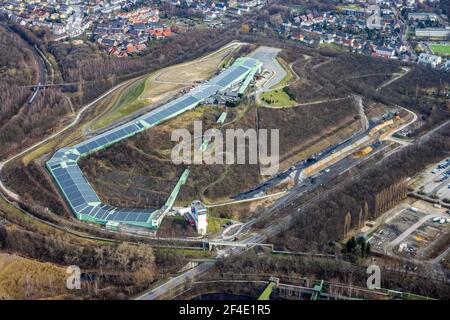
(109,270)
(20,122)
(302,127)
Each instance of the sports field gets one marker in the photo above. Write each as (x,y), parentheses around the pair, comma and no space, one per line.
(440,49)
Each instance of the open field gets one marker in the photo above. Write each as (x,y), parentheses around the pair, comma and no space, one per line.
(215,224)
(440,49)
(164,84)
(333,46)
(277,98)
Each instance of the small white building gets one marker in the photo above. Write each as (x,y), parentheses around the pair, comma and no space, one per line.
(199,215)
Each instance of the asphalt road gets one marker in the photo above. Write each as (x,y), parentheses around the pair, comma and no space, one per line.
(301,165)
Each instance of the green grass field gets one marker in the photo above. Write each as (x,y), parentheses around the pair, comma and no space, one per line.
(351,6)
(440,49)
(214,224)
(277,98)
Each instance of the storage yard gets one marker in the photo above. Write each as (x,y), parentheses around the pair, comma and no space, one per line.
(409,230)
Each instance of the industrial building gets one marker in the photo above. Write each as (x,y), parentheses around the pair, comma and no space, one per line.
(80,195)
(197,216)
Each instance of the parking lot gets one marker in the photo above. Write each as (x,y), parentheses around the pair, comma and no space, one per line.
(416,243)
(434,181)
(268,55)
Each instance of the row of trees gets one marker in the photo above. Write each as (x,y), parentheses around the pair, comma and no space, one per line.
(377,190)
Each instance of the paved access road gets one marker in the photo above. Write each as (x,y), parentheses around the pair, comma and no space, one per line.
(410,230)
(267,56)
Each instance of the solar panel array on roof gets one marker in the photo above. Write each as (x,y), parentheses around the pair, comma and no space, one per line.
(74,186)
(206,91)
(78,192)
(249,62)
(232,76)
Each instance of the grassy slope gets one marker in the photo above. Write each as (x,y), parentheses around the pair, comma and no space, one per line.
(277,98)
(214,224)
(22,278)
